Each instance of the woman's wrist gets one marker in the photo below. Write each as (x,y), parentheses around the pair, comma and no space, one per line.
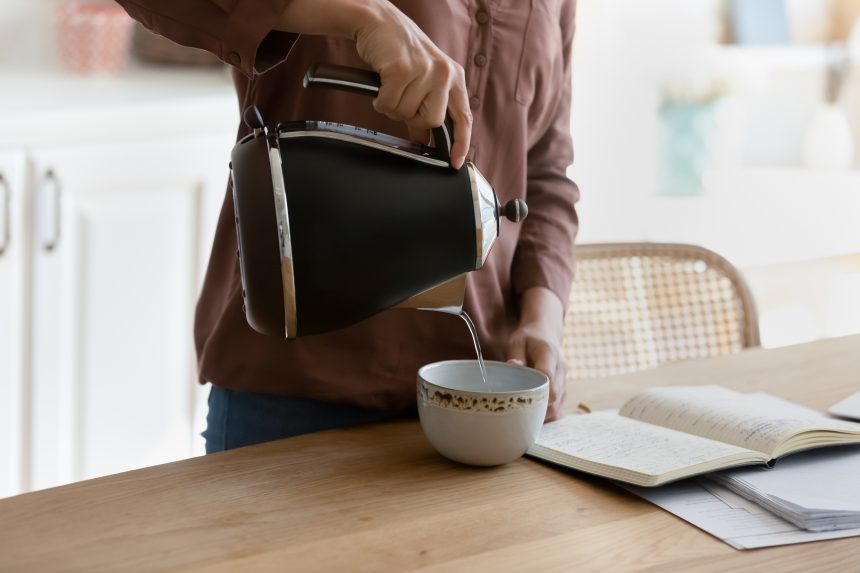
(342,18)
(360,15)
(539,306)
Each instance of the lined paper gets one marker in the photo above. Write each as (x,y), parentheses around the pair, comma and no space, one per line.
(608,439)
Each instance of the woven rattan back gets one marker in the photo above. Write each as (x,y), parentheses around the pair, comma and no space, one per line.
(638,305)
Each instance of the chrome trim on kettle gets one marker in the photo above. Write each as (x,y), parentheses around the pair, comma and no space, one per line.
(284,242)
(365,142)
(486,214)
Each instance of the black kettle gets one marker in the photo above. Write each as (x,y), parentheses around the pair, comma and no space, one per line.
(337,223)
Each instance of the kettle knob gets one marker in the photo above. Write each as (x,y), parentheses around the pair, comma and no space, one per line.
(514,210)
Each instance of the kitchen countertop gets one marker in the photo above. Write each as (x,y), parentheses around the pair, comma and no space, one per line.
(379,498)
(57,107)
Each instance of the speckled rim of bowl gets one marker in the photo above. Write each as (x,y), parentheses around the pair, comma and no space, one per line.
(487,402)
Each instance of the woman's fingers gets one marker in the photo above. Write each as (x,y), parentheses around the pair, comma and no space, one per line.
(461,115)
(393,85)
(421,101)
(517,350)
(424,100)
(558,391)
(544,357)
(419,81)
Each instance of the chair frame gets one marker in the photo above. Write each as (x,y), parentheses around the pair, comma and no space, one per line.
(749,335)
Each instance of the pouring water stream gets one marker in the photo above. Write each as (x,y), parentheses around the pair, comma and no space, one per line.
(474,332)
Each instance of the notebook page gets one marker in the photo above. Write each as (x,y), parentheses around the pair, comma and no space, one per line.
(608,439)
(758,422)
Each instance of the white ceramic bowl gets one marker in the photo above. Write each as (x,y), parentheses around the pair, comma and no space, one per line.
(472,423)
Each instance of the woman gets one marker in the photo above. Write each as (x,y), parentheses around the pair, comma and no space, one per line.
(501,69)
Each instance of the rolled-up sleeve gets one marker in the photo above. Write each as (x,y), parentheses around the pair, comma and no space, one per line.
(242,33)
(544,253)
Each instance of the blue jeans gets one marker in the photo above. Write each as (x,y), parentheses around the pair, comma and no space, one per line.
(237,419)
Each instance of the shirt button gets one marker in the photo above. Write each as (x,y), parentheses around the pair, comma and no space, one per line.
(482,17)
(474,102)
(234,59)
(480,60)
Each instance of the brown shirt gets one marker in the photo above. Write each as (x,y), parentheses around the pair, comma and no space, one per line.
(516,54)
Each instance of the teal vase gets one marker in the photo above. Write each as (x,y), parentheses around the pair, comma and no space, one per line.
(687,133)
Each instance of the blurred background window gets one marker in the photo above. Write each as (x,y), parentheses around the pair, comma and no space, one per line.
(732,125)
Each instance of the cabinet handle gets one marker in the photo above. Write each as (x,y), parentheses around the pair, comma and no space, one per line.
(5,215)
(49,211)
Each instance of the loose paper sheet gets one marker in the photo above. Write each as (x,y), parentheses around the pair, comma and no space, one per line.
(729,517)
(847,408)
(827,479)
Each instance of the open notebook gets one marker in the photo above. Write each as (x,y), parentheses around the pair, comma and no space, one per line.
(664,434)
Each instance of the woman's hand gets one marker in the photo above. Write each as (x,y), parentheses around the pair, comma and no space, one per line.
(419,81)
(537,342)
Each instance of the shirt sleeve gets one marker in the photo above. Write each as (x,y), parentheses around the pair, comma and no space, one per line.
(544,252)
(239,32)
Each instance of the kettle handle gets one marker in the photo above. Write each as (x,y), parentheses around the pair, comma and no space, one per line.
(367,82)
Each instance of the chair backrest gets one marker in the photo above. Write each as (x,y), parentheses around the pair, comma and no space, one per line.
(638,305)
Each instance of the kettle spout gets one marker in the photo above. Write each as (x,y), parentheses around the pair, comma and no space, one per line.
(488,213)
(446,297)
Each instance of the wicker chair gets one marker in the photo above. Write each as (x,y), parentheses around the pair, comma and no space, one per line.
(638,305)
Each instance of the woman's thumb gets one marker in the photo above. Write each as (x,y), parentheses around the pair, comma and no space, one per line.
(517,351)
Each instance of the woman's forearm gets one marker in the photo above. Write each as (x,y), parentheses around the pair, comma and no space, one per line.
(539,305)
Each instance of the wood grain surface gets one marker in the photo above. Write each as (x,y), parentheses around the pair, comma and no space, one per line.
(378,498)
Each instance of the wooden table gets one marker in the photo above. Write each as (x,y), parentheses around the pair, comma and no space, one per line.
(378,498)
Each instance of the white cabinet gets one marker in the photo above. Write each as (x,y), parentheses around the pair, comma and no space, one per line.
(14,403)
(110,192)
(121,234)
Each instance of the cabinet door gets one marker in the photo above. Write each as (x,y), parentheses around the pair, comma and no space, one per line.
(13,325)
(121,231)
